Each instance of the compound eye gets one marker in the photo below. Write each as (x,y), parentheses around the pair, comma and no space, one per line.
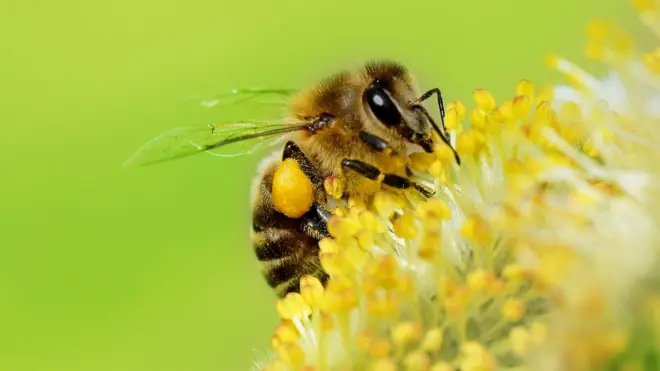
(382,106)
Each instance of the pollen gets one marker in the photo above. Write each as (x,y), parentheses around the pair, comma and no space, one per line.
(417,360)
(404,226)
(406,332)
(292,191)
(311,290)
(513,310)
(484,100)
(292,306)
(433,340)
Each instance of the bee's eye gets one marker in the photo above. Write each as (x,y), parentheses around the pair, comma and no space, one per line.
(382,106)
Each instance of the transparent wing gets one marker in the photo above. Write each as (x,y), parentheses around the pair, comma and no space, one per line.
(238,96)
(225,140)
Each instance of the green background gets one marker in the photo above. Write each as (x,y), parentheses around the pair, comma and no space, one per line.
(152,269)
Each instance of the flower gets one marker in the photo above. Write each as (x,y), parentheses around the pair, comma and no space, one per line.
(539,252)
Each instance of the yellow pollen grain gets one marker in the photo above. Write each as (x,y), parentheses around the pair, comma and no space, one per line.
(334,186)
(513,310)
(421,161)
(513,272)
(382,306)
(430,245)
(380,348)
(342,228)
(363,340)
(291,354)
(335,263)
(404,226)
(519,338)
(406,332)
(287,332)
(526,88)
(311,290)
(478,119)
(292,191)
(479,279)
(432,341)
(484,99)
(417,360)
(442,366)
(292,306)
(340,295)
(383,364)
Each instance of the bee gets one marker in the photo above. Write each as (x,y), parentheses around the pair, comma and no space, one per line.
(354,127)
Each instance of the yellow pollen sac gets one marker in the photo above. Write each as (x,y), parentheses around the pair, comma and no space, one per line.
(513,310)
(292,191)
(417,360)
(383,364)
(328,245)
(434,209)
(342,228)
(469,143)
(286,332)
(478,119)
(442,366)
(311,290)
(335,263)
(382,306)
(385,204)
(334,186)
(406,284)
(432,341)
(476,358)
(404,226)
(513,272)
(363,339)
(421,161)
(291,354)
(479,280)
(452,120)
(340,295)
(379,348)
(406,332)
(526,88)
(520,340)
(484,99)
(475,229)
(430,245)
(521,106)
(292,306)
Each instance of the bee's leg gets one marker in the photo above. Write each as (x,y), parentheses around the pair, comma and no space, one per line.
(374,141)
(291,150)
(315,222)
(392,180)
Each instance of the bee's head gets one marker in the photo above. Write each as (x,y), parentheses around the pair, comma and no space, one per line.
(391,99)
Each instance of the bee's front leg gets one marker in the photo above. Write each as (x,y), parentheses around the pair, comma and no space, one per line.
(392,180)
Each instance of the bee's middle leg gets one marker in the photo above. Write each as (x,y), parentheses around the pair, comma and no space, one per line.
(392,180)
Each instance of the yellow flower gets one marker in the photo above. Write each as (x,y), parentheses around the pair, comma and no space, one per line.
(538,252)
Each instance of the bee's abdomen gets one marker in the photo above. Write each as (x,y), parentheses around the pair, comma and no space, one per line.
(285,256)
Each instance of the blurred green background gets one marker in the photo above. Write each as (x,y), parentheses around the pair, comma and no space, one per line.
(152,269)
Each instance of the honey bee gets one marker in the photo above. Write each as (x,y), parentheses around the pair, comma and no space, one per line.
(355,128)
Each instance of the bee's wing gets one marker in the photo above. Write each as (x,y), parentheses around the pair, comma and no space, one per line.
(237,96)
(227,140)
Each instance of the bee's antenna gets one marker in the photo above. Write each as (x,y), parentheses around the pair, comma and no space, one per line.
(445,138)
